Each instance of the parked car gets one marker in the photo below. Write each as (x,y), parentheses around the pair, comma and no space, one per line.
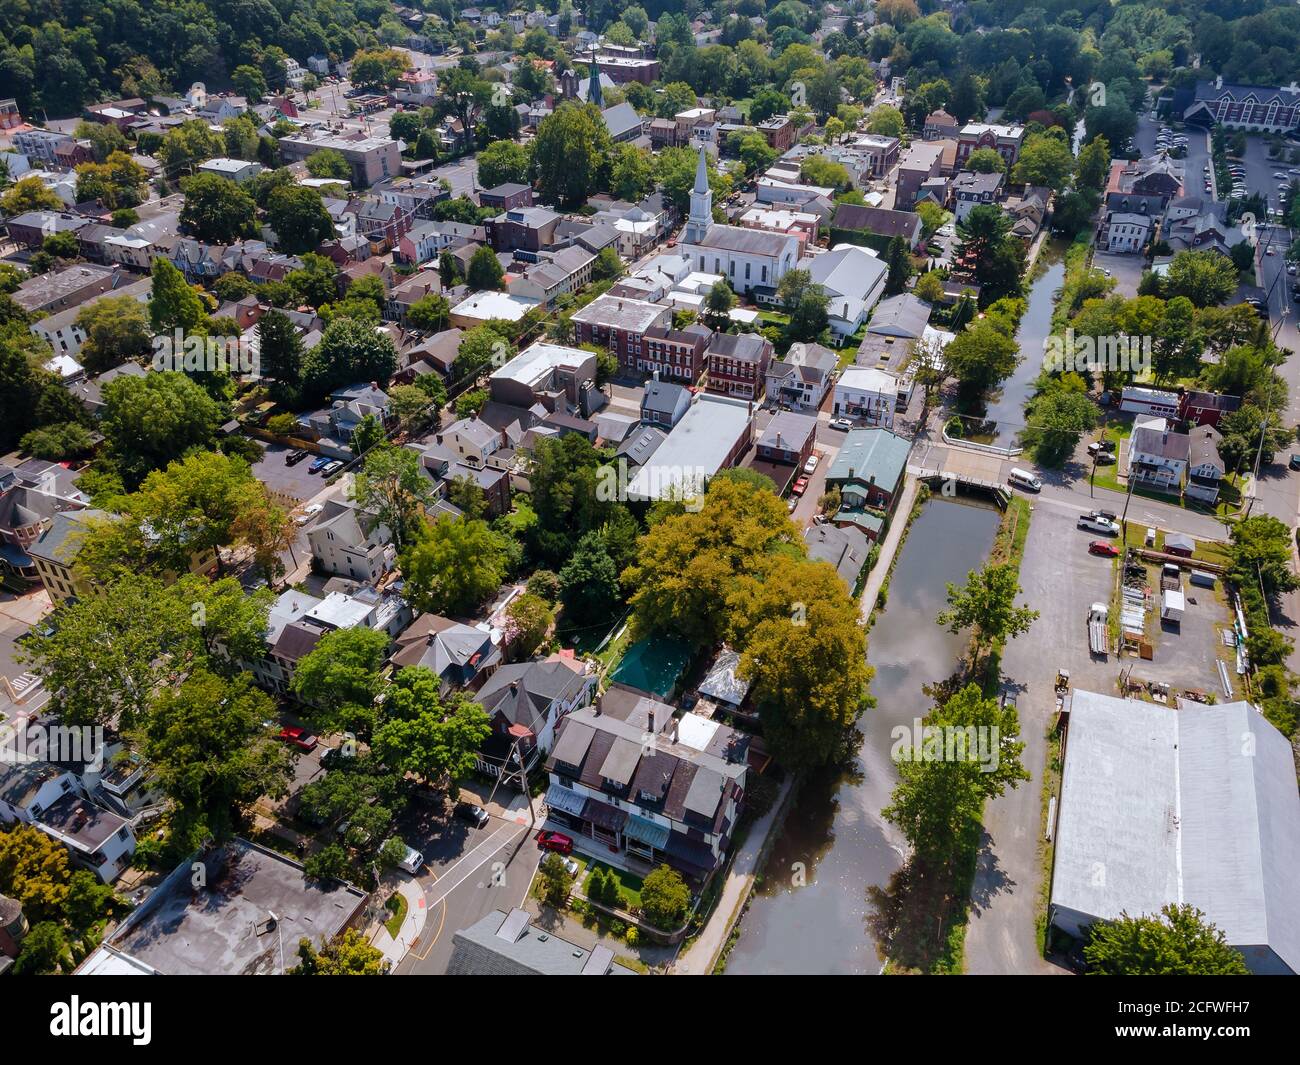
(1101,445)
(1295,462)
(1096,523)
(1104,548)
(799,486)
(811,464)
(331,468)
(842,424)
(318,463)
(554,841)
(412,861)
(475,815)
(308,512)
(295,457)
(299,737)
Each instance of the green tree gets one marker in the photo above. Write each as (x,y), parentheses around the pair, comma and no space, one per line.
(986,161)
(349,955)
(886,121)
(209,751)
(1057,421)
(280,352)
(589,587)
(898,257)
(29,194)
(986,606)
(173,303)
(503,162)
(1093,164)
(340,678)
(348,351)
(429,313)
(249,82)
(34,871)
(718,305)
(392,486)
(571,154)
(528,619)
(117,328)
(454,566)
(299,218)
(1260,551)
(424,734)
(328,163)
(44,950)
(485,270)
(1180,942)
(217,210)
(554,881)
(150,421)
(665,898)
(1044,160)
(1204,277)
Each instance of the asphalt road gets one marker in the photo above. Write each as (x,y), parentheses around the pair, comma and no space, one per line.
(470,873)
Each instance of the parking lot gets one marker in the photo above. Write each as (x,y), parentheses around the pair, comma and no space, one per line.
(291,482)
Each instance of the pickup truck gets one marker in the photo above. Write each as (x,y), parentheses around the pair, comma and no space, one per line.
(1098,523)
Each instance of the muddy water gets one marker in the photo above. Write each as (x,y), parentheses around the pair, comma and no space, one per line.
(834,840)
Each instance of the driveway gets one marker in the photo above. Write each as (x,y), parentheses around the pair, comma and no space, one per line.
(1060,580)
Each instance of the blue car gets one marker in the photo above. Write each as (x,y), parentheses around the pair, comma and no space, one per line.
(318,464)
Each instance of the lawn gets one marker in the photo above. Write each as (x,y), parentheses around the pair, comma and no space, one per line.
(629,883)
(396,905)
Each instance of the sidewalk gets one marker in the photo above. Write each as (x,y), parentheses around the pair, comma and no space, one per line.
(880,571)
(394,950)
(702,955)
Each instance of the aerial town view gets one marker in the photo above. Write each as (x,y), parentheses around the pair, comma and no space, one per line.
(761,487)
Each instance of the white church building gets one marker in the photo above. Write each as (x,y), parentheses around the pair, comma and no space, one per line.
(747,258)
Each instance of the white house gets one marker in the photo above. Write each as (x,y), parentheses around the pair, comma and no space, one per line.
(1158,457)
(854,279)
(1126,232)
(348,542)
(867,393)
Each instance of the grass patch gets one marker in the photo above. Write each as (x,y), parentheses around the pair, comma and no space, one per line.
(629,883)
(396,905)
(1047,848)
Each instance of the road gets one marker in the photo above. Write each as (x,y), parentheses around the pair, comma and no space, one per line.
(471,872)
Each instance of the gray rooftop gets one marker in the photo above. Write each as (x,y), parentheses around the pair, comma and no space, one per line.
(502,944)
(1196,805)
(221,929)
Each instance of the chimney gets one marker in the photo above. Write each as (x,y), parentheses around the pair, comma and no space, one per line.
(652,722)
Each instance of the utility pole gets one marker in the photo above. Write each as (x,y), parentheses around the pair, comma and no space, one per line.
(1123,521)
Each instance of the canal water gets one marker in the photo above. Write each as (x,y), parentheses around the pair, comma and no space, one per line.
(1004,414)
(809,914)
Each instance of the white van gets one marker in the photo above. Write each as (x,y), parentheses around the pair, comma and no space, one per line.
(412,861)
(1024,479)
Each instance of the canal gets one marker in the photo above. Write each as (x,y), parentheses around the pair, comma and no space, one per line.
(809,914)
(1006,409)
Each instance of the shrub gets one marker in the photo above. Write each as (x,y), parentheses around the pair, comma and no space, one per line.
(632,936)
(281,424)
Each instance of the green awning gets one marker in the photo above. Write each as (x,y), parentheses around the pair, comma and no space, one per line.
(647,832)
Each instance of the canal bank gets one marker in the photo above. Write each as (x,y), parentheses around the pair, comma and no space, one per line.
(809,911)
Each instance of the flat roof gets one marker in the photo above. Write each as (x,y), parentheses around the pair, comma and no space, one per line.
(222,929)
(695,449)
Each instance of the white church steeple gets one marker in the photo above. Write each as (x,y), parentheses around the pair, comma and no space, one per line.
(701,214)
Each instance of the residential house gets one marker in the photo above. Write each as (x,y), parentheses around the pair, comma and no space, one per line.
(879,154)
(555,274)
(971,190)
(550,374)
(525,702)
(788,439)
(664,403)
(371,159)
(878,225)
(463,656)
(854,280)
(920,163)
(502,944)
(1205,408)
(802,379)
(1149,402)
(236,170)
(1126,232)
(639,792)
(1144,186)
(52,800)
(334,425)
(622,325)
(507,197)
(32,227)
(869,471)
(32,495)
(348,542)
(1205,468)
(940,125)
(1005,140)
(522,229)
(867,393)
(844,547)
(1158,458)
(737,364)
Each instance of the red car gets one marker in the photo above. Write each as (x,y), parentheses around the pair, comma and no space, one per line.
(299,737)
(555,841)
(799,486)
(1104,548)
